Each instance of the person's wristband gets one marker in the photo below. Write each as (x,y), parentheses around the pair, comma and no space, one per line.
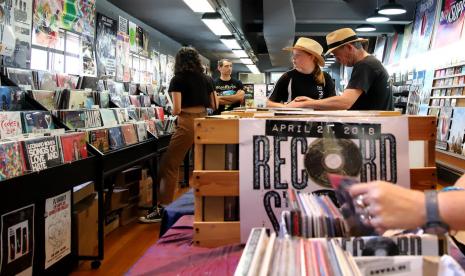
(452,188)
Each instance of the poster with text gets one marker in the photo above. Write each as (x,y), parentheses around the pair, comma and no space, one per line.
(450,25)
(78,16)
(423,27)
(106,45)
(122,25)
(57,228)
(17,241)
(88,56)
(45,23)
(277,155)
(133,37)
(122,58)
(17,20)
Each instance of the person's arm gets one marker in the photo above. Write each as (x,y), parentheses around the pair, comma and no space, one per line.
(280,92)
(395,207)
(270,103)
(214,102)
(176,103)
(236,98)
(342,102)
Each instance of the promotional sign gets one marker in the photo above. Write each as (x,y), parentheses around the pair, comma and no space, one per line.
(277,155)
(450,24)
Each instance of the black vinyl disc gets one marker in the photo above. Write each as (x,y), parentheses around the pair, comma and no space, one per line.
(331,155)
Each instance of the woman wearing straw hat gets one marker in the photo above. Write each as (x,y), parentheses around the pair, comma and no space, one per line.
(306,79)
(368,87)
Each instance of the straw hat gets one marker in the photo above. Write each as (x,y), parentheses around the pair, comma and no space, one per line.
(310,46)
(341,37)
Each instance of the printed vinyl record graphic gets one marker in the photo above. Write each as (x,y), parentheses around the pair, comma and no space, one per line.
(339,156)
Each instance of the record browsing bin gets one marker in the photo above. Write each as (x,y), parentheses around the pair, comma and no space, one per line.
(211,230)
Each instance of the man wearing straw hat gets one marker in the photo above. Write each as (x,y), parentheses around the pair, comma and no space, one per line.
(306,79)
(368,87)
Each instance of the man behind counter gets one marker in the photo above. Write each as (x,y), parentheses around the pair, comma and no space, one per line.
(230,90)
(368,87)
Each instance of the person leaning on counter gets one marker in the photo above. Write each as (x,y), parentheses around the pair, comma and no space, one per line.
(368,87)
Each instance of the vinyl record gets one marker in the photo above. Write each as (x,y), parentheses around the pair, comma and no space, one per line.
(380,246)
(328,155)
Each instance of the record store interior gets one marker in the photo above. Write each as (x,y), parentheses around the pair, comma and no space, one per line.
(232,137)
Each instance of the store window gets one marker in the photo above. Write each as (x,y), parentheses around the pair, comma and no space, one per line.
(65,57)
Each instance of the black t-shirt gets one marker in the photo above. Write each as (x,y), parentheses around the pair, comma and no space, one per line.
(227,88)
(301,85)
(195,88)
(371,77)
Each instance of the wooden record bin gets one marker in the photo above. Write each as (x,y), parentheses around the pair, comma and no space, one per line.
(209,184)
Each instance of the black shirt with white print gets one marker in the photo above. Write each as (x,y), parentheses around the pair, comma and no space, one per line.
(227,88)
(301,85)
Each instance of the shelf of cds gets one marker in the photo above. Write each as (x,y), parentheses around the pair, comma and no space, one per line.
(217,215)
(447,102)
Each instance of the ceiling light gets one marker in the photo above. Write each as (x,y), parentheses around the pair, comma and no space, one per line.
(240,53)
(376,17)
(246,61)
(392,8)
(331,58)
(199,5)
(215,23)
(230,42)
(365,28)
(253,68)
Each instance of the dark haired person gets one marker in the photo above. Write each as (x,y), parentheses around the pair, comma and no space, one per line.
(306,79)
(230,90)
(192,92)
(368,87)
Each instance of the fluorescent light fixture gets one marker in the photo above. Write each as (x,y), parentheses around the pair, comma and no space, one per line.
(365,28)
(216,24)
(392,8)
(230,42)
(240,53)
(331,58)
(246,61)
(199,5)
(376,17)
(253,68)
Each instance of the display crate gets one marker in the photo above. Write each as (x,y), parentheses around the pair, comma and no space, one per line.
(225,183)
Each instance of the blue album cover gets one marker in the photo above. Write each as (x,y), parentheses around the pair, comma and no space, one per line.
(11,98)
(116,138)
(35,120)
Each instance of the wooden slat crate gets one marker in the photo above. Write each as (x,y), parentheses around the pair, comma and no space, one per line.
(220,183)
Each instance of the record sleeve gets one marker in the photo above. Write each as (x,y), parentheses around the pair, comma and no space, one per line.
(129,134)
(42,153)
(116,138)
(93,118)
(10,124)
(47,80)
(141,131)
(74,119)
(99,139)
(73,146)
(13,163)
(22,78)
(108,117)
(37,120)
(11,98)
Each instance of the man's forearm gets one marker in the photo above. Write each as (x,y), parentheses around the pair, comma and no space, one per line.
(451,206)
(224,100)
(332,103)
(274,104)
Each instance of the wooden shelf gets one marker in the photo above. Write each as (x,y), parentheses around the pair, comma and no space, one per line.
(449,76)
(451,160)
(450,66)
(448,86)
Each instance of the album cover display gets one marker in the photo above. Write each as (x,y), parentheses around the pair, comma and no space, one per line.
(17,17)
(108,117)
(67,81)
(106,45)
(104,99)
(150,124)
(78,16)
(457,131)
(73,146)
(132,37)
(444,121)
(22,78)
(77,99)
(282,154)
(45,24)
(10,124)
(123,72)
(123,25)
(45,98)
(141,131)
(423,25)
(73,119)
(90,99)
(99,139)
(134,99)
(17,251)
(93,118)
(133,113)
(46,80)
(13,162)
(35,121)
(451,21)
(42,153)
(121,115)
(129,134)
(88,56)
(11,98)
(115,138)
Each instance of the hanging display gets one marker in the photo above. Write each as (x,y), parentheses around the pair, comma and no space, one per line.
(106,45)
(78,16)
(17,17)
(423,25)
(122,58)
(45,23)
(88,57)
(132,36)
(450,26)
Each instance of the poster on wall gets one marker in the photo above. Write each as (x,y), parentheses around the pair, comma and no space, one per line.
(17,20)
(45,24)
(423,27)
(122,25)
(88,56)
(277,155)
(17,228)
(396,48)
(380,47)
(406,40)
(163,65)
(450,25)
(106,45)
(139,38)
(78,16)
(156,70)
(57,228)
(170,69)
(133,36)
(122,58)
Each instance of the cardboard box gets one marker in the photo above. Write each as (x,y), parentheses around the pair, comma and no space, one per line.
(119,199)
(82,191)
(85,215)
(111,222)
(129,214)
(145,187)
(128,176)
